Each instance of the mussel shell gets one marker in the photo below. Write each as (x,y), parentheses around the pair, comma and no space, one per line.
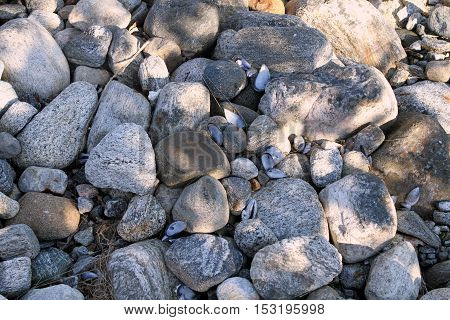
(276,174)
(262,79)
(175,228)
(216,133)
(412,198)
(267,161)
(234,118)
(275,153)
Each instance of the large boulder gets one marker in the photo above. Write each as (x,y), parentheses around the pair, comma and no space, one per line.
(355,28)
(415,154)
(34,63)
(332,102)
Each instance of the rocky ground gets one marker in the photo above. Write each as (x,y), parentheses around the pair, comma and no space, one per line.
(224,149)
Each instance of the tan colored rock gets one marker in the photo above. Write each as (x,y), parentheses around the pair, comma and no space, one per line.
(271,6)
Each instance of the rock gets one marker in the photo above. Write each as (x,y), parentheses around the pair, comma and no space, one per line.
(332,102)
(8,96)
(291,208)
(118,105)
(153,74)
(415,154)
(7,176)
(202,261)
(354,276)
(238,191)
(438,275)
(115,208)
(84,205)
(143,219)
(138,272)
(437,294)
(50,264)
(434,44)
(64,36)
(410,223)
(355,29)
(264,132)
(56,292)
(50,21)
(34,64)
(245,19)
(234,139)
(195,29)
(361,215)
(180,107)
(84,237)
(237,288)
(18,241)
(225,79)
(45,5)
(294,267)
(355,162)
(9,146)
(244,168)
(167,196)
(16,117)
(441,218)
(438,71)
(130,5)
(124,160)
(88,13)
(296,166)
(12,11)
(167,50)
(399,78)
(37,179)
(50,217)
(394,275)
(190,71)
(389,9)
(438,21)
(324,293)
(326,166)
(271,6)
(2,68)
(252,235)
(90,47)
(15,277)
(203,206)
(8,207)
(281,49)
(367,140)
(426,97)
(56,135)
(97,77)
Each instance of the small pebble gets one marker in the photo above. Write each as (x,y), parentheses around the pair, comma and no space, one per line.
(85,237)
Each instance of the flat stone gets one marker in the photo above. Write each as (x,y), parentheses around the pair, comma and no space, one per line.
(245,19)
(143,219)
(18,241)
(294,267)
(244,168)
(394,275)
(7,176)
(225,79)
(97,77)
(57,292)
(56,135)
(7,96)
(9,146)
(167,50)
(203,205)
(438,21)
(64,36)
(50,21)
(50,264)
(438,275)
(153,74)
(437,294)
(8,207)
(185,156)
(434,44)
(252,235)
(264,133)
(50,217)
(17,117)
(236,288)
(37,179)
(190,71)
(15,277)
(326,166)
(138,272)
(355,162)
(410,223)
(291,208)
(124,160)
(238,191)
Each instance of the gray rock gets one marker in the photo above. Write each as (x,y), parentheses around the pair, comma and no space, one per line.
(7,176)
(143,219)
(355,162)
(438,21)
(130,5)
(9,146)
(84,205)
(434,44)
(441,217)
(119,104)
(50,264)
(124,160)
(438,71)
(354,276)
(50,21)
(84,237)
(294,267)
(2,297)
(237,288)
(56,135)
(234,139)
(180,107)
(437,294)
(246,19)
(291,208)
(190,71)
(367,140)
(87,13)
(64,36)
(332,102)
(15,277)
(238,191)
(438,275)
(37,179)
(167,196)
(394,275)
(90,47)
(410,223)
(225,79)
(264,132)
(296,166)
(227,8)
(244,168)
(281,49)
(18,241)
(7,96)
(202,261)
(153,74)
(115,208)
(87,191)
(426,97)
(361,215)
(12,11)
(326,166)
(252,235)
(195,29)
(36,66)
(45,5)
(97,77)
(57,292)
(8,207)
(17,117)
(167,50)
(203,206)
(324,293)
(138,272)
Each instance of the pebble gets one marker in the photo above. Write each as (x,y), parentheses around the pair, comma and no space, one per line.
(244,168)
(50,21)
(237,288)
(438,71)
(56,292)
(264,132)
(354,276)
(326,166)
(8,96)
(367,140)
(8,207)
(435,45)
(7,176)
(444,205)
(167,197)
(400,76)
(437,294)
(115,208)
(94,76)
(238,191)
(38,179)
(84,205)
(324,293)
(9,146)
(50,264)
(441,217)
(12,11)
(252,235)
(18,241)
(45,5)
(190,71)
(15,277)
(153,74)
(85,237)
(234,139)
(87,191)
(296,165)
(355,162)
(17,117)
(65,11)
(167,50)
(225,79)
(438,21)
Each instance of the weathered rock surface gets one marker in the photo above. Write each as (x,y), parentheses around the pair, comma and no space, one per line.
(437,294)
(153,74)
(246,19)
(252,235)
(50,264)
(238,191)
(18,241)
(15,277)
(16,117)
(57,292)
(324,293)
(8,207)
(264,132)
(243,168)
(8,96)
(7,176)
(326,166)
(225,79)
(190,71)
(237,288)
(38,179)
(438,275)
(410,223)
(438,21)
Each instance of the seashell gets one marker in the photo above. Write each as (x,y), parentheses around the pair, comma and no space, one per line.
(276,174)
(234,118)
(307,148)
(369,158)
(245,64)
(216,133)
(184,292)
(84,157)
(299,143)
(250,211)
(153,97)
(276,154)
(245,215)
(444,206)
(174,229)
(89,275)
(251,72)
(267,161)
(262,79)
(412,198)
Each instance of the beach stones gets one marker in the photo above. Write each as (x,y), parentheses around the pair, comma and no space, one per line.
(438,21)
(264,133)
(153,74)
(7,96)
(237,288)
(326,166)
(37,179)
(238,192)
(9,146)
(50,264)
(437,294)
(7,176)
(225,79)
(411,223)
(437,276)
(16,117)
(15,277)
(8,207)
(252,235)
(18,241)
(56,292)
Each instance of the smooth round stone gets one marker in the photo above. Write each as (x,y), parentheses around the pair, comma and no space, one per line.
(355,162)
(238,191)
(7,176)
(8,207)
(50,264)
(234,139)
(38,179)
(437,294)
(225,79)
(438,71)
(190,71)
(244,168)
(438,21)
(9,146)
(50,21)
(252,235)
(237,288)
(15,277)
(57,292)
(264,133)
(296,165)
(17,117)
(326,166)
(438,275)
(45,5)
(84,205)
(97,77)
(18,241)
(167,50)
(153,74)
